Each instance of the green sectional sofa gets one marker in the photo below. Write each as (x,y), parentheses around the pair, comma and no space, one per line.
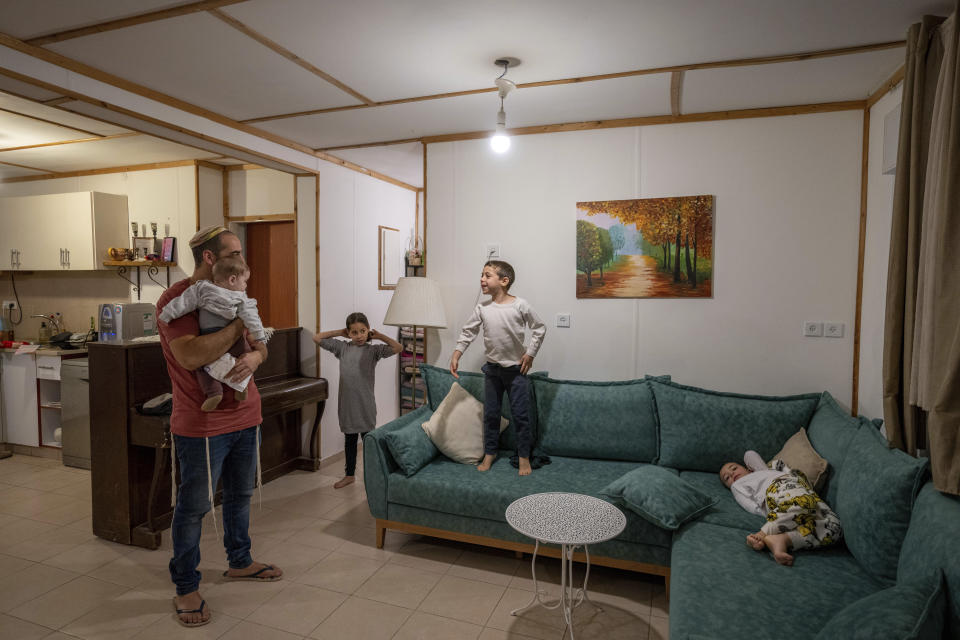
(896,576)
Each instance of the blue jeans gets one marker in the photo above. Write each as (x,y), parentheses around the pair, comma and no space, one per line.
(496,380)
(233,459)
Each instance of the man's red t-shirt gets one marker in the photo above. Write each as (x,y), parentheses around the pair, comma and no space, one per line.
(187,418)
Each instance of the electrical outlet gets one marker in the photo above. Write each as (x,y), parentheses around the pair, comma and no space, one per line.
(812,329)
(9,304)
(493,250)
(563,320)
(833,329)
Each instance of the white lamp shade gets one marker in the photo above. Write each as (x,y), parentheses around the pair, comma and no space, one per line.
(416,302)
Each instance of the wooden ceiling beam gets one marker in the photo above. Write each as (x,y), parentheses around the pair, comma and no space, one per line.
(132,21)
(75,141)
(370,144)
(53,122)
(97,172)
(54,102)
(289,55)
(740,62)
(91,72)
(367,172)
(707,116)
(20,166)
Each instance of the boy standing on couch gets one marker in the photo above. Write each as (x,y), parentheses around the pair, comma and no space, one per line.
(504,319)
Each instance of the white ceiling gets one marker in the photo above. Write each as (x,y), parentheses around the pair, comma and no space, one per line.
(396,49)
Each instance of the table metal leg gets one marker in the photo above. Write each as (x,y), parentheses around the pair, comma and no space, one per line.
(536,591)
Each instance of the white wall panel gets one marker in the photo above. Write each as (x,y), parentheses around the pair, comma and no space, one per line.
(787,194)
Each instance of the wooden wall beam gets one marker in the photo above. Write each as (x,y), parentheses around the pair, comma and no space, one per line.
(210,165)
(741,62)
(97,172)
(676,88)
(132,21)
(886,87)
(861,250)
(707,116)
(289,55)
(369,144)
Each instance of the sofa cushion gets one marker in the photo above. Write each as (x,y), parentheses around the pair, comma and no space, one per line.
(601,420)
(725,510)
(721,587)
(700,430)
(930,544)
(456,427)
(800,455)
(909,611)
(447,487)
(658,495)
(440,380)
(410,447)
(830,432)
(875,494)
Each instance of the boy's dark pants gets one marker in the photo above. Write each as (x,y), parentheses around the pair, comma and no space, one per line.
(496,380)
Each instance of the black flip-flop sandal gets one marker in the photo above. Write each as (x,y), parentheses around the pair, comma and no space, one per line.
(203,603)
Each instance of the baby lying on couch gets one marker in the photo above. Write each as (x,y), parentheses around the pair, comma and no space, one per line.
(797,518)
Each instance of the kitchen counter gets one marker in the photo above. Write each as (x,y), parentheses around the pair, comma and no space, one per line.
(52,351)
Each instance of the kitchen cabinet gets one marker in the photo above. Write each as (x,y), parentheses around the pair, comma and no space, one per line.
(62,231)
(18,385)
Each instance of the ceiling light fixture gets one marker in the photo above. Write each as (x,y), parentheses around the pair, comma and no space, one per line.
(500,141)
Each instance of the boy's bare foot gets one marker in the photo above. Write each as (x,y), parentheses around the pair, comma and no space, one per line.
(195,611)
(525,469)
(344,481)
(778,545)
(755,541)
(211,403)
(487,462)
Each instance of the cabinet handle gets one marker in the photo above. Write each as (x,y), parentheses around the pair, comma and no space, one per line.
(61,256)
(43,366)
(68,257)
(13,259)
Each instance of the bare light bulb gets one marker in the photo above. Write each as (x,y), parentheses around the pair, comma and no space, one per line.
(500,141)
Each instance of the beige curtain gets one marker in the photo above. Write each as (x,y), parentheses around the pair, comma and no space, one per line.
(921,366)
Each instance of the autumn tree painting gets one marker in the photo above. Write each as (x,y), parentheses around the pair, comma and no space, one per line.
(645,248)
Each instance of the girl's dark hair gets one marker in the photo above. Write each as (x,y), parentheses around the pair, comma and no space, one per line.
(356,317)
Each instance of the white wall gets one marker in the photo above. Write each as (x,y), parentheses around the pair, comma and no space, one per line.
(211,196)
(351,207)
(785,247)
(259,192)
(877,250)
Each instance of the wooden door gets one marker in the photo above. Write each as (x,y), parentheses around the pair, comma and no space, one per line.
(271,252)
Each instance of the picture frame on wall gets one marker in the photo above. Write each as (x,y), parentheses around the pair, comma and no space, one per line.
(168,249)
(390,251)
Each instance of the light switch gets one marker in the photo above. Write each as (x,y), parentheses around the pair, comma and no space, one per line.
(563,320)
(493,250)
(833,329)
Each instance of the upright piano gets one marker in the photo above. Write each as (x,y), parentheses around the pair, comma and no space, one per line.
(130,452)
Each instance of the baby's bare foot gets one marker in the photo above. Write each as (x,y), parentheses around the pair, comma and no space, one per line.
(525,469)
(755,541)
(778,545)
(486,463)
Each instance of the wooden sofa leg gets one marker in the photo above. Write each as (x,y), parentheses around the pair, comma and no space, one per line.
(666,580)
(518,555)
(381,534)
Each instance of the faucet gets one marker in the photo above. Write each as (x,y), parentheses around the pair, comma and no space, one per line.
(51,319)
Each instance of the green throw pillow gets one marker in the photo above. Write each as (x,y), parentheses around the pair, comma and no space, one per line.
(912,611)
(658,495)
(701,430)
(876,488)
(411,448)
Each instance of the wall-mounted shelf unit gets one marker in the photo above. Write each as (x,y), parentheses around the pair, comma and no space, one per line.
(153,269)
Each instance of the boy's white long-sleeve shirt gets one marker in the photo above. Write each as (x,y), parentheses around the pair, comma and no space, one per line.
(750,491)
(503,331)
(223,302)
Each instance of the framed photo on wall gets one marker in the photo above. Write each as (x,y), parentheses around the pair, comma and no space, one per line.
(389,257)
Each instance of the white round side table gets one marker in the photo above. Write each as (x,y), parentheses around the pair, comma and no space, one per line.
(571,520)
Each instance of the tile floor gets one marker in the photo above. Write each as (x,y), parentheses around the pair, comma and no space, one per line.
(58,581)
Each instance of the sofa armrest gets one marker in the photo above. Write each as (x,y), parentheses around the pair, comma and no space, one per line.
(378,463)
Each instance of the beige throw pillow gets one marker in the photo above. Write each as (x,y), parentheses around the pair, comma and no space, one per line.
(799,454)
(456,427)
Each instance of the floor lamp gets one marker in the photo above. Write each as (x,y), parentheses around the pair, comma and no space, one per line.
(416,302)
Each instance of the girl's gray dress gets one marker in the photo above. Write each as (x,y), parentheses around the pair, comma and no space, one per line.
(356,400)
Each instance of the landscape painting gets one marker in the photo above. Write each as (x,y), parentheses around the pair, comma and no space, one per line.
(645,248)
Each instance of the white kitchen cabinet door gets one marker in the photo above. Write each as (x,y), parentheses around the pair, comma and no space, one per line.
(45,222)
(18,384)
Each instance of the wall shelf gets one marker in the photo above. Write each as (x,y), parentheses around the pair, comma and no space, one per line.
(153,269)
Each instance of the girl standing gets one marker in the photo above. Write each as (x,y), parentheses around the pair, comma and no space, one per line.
(357,406)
